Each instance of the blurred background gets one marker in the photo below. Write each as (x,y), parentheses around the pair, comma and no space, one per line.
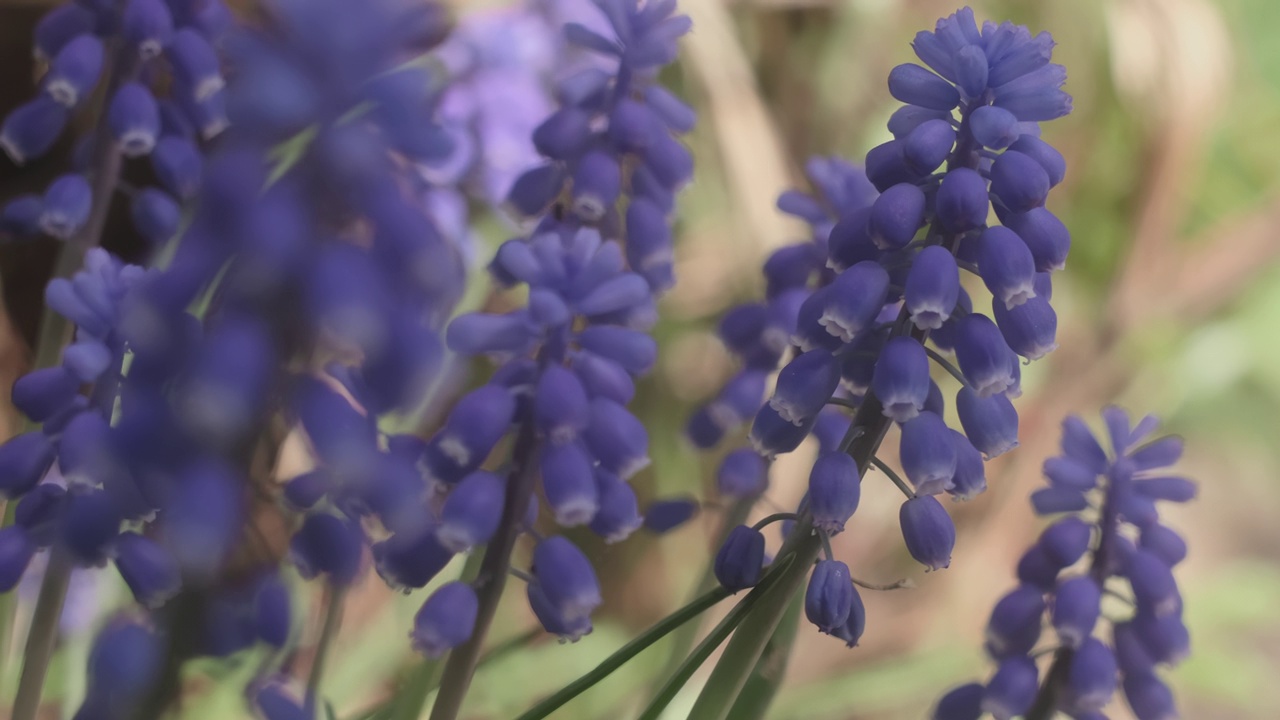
(1170,304)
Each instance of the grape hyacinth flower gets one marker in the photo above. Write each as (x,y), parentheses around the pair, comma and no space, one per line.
(1093,657)
(858,313)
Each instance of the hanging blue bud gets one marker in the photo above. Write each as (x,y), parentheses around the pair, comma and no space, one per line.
(1159,454)
(38,513)
(738,400)
(478,421)
(619,511)
(617,439)
(1055,166)
(195,63)
(20,216)
(1077,603)
(909,117)
(740,560)
(928,531)
(854,299)
(1052,500)
(886,166)
(1012,689)
(472,512)
(742,474)
(810,332)
(271,611)
(649,249)
(67,203)
(927,453)
(901,379)
(829,598)
(327,544)
(147,25)
(476,333)
(970,478)
(134,119)
(560,405)
(915,85)
(1154,588)
(790,267)
(1035,97)
(1019,181)
(962,202)
(991,423)
(962,703)
(1164,637)
(568,630)
(24,459)
(90,524)
(567,578)
(1079,444)
(663,516)
(564,134)
(603,378)
(994,127)
(40,394)
(569,483)
(1045,234)
(1014,626)
(446,619)
(597,181)
(669,161)
(830,429)
(1006,266)
(30,130)
(1037,568)
(59,26)
(410,560)
(850,631)
(534,190)
(834,491)
(178,165)
(896,215)
(849,242)
(678,116)
(16,551)
(932,288)
(273,700)
(125,660)
(928,144)
(1131,653)
(632,125)
(1030,328)
(147,568)
(156,215)
(229,381)
(984,357)
(201,520)
(1148,697)
(1066,540)
(74,71)
(633,350)
(805,385)
(772,435)
(1163,543)
(944,338)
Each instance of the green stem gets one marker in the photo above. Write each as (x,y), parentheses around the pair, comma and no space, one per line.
(43,636)
(332,621)
(945,364)
(906,489)
(767,676)
(717,636)
(625,653)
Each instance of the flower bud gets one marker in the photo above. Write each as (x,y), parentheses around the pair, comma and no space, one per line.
(59,26)
(603,378)
(984,357)
(909,117)
(40,394)
(178,165)
(569,483)
(1164,637)
(410,560)
(564,134)
(970,478)
(445,620)
(901,379)
(1077,603)
(772,435)
(852,628)
(1160,454)
(1006,266)
(944,338)
(962,203)
(195,63)
(834,491)
(67,202)
(1154,587)
(663,516)
(927,454)
(633,350)
(915,85)
(928,144)
(932,287)
(1163,543)
(327,544)
(125,660)
(617,439)
(1037,568)
(1066,540)
(962,703)
(147,25)
(16,551)
(1045,234)
(147,568)
(156,215)
(24,459)
(619,512)
(649,249)
(1012,689)
(886,166)
(74,71)
(560,405)
(569,630)
(829,598)
(567,578)
(742,474)
(853,300)
(476,423)
(39,511)
(597,181)
(1052,500)
(1149,698)
(534,190)
(31,129)
(993,126)
(134,119)
(1091,677)
(927,531)
(991,423)
(471,512)
(849,241)
(1014,626)
(805,385)
(668,160)
(271,611)
(1035,97)
(740,560)
(896,215)
(1055,166)
(1019,181)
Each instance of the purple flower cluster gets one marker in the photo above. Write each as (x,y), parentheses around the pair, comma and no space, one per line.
(858,306)
(127,52)
(595,261)
(1107,542)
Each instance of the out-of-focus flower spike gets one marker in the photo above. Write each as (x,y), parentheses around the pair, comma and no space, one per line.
(24,459)
(66,206)
(663,516)
(961,703)
(178,165)
(742,474)
(147,568)
(1012,689)
(156,215)
(201,521)
(30,130)
(16,551)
